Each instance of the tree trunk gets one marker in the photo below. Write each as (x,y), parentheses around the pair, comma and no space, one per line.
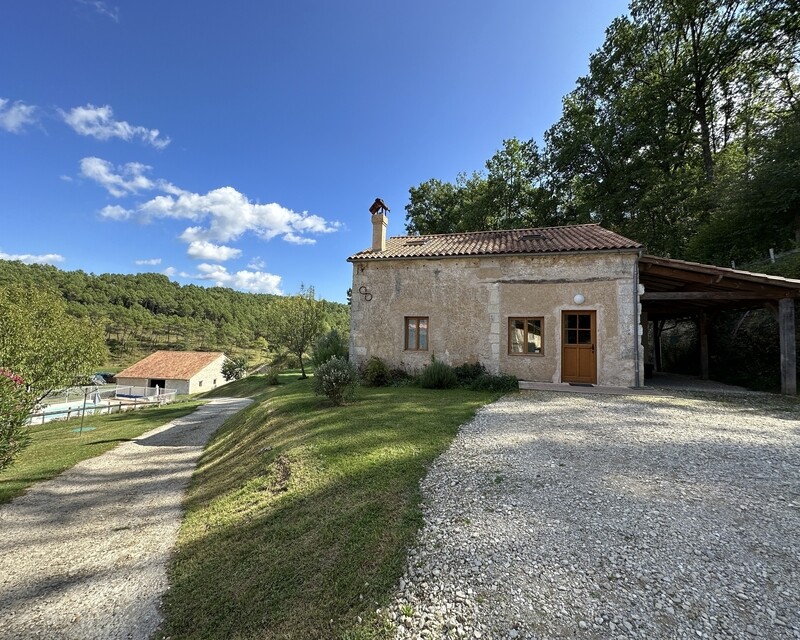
(303,375)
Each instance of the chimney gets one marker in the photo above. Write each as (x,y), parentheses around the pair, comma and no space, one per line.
(379,223)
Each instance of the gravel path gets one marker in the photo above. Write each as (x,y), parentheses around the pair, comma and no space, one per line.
(84,555)
(563,516)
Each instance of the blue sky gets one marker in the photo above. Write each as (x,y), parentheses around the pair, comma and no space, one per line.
(241,143)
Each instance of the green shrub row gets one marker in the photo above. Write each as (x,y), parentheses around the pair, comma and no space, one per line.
(438,375)
(337,378)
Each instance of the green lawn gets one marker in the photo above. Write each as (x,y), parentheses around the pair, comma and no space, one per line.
(55,446)
(299,515)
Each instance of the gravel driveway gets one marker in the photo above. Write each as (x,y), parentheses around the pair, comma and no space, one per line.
(588,516)
(84,555)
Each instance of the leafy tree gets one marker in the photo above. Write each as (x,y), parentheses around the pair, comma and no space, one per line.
(234,368)
(512,193)
(42,344)
(672,88)
(667,133)
(517,187)
(42,348)
(758,200)
(16,404)
(295,322)
(442,207)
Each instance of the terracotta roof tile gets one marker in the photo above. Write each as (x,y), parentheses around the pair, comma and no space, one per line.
(175,365)
(581,237)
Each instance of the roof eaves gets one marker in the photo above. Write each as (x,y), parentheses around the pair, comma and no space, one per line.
(439,256)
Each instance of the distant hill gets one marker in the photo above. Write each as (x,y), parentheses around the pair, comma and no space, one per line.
(148,311)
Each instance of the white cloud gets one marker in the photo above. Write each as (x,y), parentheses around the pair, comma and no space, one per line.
(219,216)
(102,8)
(66,178)
(128,178)
(115,212)
(99,123)
(256,263)
(252,281)
(47,258)
(295,239)
(15,117)
(151,261)
(230,214)
(169,271)
(204,250)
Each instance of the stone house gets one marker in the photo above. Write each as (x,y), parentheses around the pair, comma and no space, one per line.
(185,371)
(557,304)
(576,304)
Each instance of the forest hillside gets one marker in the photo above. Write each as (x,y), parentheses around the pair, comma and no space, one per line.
(147,311)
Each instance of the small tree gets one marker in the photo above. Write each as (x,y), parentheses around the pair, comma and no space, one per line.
(296,321)
(42,348)
(234,368)
(43,344)
(329,345)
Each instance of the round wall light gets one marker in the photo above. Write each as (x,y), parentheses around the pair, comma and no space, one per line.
(579,299)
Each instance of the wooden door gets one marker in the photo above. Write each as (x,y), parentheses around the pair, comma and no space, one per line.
(578,347)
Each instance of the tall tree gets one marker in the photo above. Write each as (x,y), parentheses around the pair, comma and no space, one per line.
(295,322)
(511,193)
(758,200)
(672,86)
(443,207)
(517,187)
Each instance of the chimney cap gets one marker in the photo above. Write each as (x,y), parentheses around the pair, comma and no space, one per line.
(379,206)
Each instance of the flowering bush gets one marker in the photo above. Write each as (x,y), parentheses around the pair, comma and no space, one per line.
(16,404)
(337,379)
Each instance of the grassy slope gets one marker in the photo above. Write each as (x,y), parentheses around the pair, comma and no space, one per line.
(55,447)
(300,514)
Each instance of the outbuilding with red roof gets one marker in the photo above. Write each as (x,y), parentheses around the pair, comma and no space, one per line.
(185,371)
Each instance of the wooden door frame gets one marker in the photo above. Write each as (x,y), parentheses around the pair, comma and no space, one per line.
(593,314)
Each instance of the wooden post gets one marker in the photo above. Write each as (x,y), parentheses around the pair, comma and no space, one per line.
(658,327)
(703,324)
(786,330)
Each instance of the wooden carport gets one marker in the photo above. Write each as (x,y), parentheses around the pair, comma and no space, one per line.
(675,289)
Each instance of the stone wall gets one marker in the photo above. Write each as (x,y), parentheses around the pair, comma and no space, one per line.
(469,300)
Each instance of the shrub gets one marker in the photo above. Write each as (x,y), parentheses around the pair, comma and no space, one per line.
(376,373)
(234,368)
(468,372)
(282,360)
(400,378)
(438,375)
(337,379)
(329,345)
(488,382)
(271,376)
